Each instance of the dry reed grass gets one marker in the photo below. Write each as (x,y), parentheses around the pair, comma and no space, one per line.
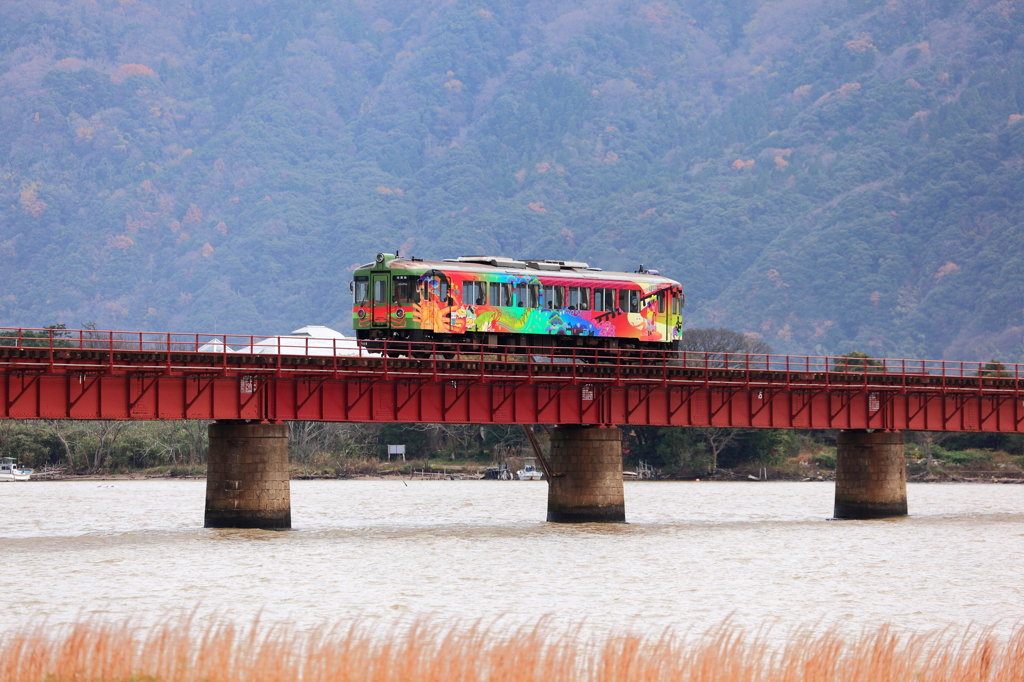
(429,652)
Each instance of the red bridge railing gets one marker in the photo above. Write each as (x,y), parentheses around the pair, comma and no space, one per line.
(242,345)
(597,384)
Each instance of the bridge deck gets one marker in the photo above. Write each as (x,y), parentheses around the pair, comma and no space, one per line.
(57,374)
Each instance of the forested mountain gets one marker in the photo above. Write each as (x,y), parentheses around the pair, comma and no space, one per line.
(828,174)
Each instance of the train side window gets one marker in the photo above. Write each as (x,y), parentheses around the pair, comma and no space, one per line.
(442,292)
(474,293)
(604,300)
(362,296)
(534,296)
(501,294)
(629,300)
(521,295)
(579,298)
(554,297)
(662,308)
(402,286)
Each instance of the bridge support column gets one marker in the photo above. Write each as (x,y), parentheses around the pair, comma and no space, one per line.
(587,481)
(871,475)
(247,476)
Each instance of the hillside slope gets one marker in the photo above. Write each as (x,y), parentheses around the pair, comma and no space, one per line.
(829,175)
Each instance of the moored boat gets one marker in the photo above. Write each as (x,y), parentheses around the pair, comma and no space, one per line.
(530,473)
(9,471)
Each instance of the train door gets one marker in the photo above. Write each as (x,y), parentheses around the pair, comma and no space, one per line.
(381,309)
(661,316)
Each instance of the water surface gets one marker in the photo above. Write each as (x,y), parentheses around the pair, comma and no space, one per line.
(691,555)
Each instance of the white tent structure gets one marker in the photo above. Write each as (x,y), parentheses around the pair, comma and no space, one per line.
(312,339)
(214,345)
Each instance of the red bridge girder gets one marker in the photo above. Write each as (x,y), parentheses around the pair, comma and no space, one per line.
(137,376)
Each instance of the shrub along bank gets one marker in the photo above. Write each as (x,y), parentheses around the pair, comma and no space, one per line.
(179,448)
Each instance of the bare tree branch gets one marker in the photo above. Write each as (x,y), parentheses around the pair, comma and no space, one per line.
(719,343)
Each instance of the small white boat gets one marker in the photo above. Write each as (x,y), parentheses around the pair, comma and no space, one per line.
(530,473)
(9,471)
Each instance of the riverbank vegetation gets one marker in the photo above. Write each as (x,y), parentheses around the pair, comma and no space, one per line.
(431,652)
(327,450)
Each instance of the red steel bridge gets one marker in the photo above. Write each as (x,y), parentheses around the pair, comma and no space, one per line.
(89,374)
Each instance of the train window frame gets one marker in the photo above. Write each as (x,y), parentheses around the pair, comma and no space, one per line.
(521,295)
(661,298)
(361,295)
(608,300)
(579,298)
(403,290)
(500,294)
(380,291)
(534,296)
(629,300)
(474,292)
(553,296)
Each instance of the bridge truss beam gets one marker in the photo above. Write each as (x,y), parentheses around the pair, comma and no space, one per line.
(694,389)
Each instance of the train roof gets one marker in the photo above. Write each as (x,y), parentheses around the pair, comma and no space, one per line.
(524,268)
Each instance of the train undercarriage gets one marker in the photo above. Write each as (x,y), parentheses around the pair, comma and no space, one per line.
(416,343)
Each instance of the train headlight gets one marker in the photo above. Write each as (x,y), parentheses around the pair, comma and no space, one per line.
(400,313)
(361,314)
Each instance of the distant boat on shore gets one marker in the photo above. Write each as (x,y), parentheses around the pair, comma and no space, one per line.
(530,473)
(9,471)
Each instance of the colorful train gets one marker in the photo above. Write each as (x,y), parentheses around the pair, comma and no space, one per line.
(496,301)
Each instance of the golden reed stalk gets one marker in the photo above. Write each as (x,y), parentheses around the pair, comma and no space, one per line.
(179,651)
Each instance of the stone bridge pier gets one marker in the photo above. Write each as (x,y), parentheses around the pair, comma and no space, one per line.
(871,475)
(247,476)
(586,481)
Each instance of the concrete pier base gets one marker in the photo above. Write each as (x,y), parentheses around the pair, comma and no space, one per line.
(871,475)
(587,481)
(247,476)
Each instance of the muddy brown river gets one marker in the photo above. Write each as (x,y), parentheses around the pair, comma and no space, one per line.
(690,556)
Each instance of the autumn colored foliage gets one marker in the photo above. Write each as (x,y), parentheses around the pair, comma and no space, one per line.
(828,175)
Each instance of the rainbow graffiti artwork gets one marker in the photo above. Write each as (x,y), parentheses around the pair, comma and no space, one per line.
(469,297)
